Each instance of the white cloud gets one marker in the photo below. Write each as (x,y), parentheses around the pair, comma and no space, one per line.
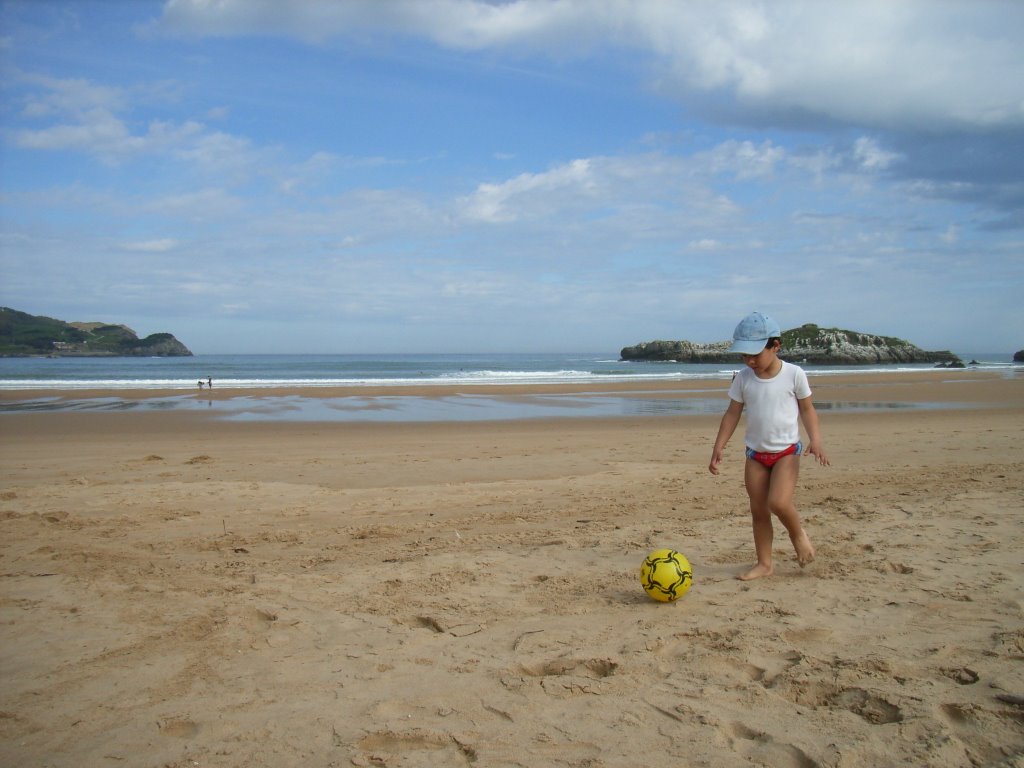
(871,156)
(216,152)
(98,133)
(92,119)
(70,96)
(455,23)
(746,160)
(85,114)
(913,63)
(819,162)
(626,198)
(529,194)
(161,245)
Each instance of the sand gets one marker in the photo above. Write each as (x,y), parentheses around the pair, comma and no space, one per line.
(182,591)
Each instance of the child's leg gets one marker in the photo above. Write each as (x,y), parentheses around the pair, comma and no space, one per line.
(782,489)
(757,478)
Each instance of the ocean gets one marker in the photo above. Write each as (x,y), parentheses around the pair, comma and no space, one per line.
(266,371)
(180,376)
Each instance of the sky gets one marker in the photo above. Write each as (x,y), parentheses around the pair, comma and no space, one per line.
(404,176)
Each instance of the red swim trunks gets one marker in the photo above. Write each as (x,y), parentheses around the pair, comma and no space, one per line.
(769,459)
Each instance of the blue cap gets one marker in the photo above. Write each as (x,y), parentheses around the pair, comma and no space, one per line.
(753,332)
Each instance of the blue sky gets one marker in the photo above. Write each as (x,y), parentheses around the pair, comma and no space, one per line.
(567,175)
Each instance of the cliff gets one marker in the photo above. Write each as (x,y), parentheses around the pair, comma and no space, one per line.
(806,344)
(25,335)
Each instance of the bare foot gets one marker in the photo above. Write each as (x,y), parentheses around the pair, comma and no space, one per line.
(757,572)
(804,550)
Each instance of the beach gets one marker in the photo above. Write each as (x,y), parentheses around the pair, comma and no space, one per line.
(179,589)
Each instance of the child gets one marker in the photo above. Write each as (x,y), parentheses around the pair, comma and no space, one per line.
(778,397)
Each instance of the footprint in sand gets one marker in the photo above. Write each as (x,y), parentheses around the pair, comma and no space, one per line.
(179,727)
(566,676)
(410,744)
(766,669)
(807,635)
(761,748)
(596,668)
(873,708)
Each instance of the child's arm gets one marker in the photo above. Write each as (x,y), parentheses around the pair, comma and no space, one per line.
(809,416)
(729,421)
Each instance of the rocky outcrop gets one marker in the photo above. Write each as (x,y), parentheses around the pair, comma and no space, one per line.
(1018,357)
(679,352)
(807,344)
(834,346)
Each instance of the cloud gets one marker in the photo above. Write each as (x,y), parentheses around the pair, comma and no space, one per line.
(214,153)
(906,65)
(69,96)
(934,90)
(94,119)
(871,156)
(466,24)
(527,194)
(914,64)
(162,245)
(591,208)
(98,133)
(746,160)
(86,115)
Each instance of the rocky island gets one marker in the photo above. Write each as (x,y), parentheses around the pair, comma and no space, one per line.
(808,344)
(25,335)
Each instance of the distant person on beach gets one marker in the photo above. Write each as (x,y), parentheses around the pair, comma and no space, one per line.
(200,383)
(778,398)
(209,383)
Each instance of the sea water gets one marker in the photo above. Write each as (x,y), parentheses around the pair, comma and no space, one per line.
(277,371)
(298,372)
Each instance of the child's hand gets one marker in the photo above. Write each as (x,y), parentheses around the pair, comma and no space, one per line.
(716,459)
(818,451)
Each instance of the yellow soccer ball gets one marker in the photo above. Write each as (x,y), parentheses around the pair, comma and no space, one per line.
(666,575)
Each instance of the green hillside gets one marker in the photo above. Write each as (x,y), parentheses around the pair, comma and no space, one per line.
(23,335)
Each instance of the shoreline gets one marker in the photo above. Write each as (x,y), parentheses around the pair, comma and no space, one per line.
(489,403)
(833,382)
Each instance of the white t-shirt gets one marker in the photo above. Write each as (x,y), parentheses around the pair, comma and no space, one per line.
(773,416)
